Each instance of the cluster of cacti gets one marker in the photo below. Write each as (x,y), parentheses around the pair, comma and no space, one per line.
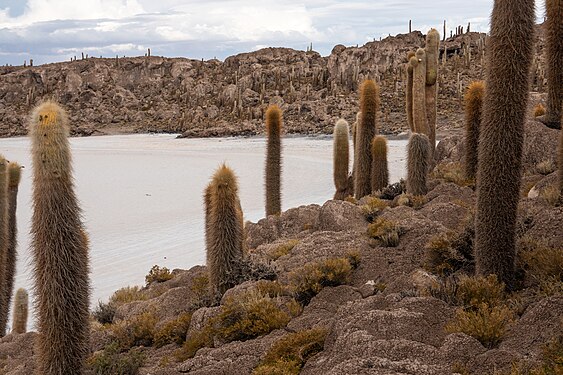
(502,135)
(418,161)
(19,318)
(341,158)
(421,92)
(379,166)
(4,243)
(554,33)
(223,229)
(59,247)
(273,160)
(473,113)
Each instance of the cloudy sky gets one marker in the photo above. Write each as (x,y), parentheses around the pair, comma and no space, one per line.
(56,30)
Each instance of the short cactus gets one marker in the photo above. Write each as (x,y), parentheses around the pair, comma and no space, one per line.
(273,160)
(59,248)
(379,167)
(418,161)
(341,159)
(4,243)
(20,312)
(473,112)
(366,130)
(225,233)
(501,137)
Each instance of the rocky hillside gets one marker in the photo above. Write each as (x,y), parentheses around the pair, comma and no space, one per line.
(214,98)
(379,286)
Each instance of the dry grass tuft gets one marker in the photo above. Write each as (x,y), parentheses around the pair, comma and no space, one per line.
(452,172)
(282,249)
(386,231)
(173,331)
(539,110)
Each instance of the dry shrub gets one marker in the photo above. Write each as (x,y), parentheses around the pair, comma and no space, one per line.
(485,323)
(469,292)
(351,199)
(452,172)
(158,274)
(414,201)
(373,207)
(282,249)
(137,331)
(551,195)
(546,167)
(539,110)
(542,265)
(127,294)
(173,331)
(290,353)
(386,231)
(111,361)
(104,312)
(309,280)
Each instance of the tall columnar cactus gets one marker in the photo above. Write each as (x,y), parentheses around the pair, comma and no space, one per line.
(502,135)
(341,158)
(554,32)
(431,89)
(408,91)
(4,243)
(20,312)
(560,162)
(59,248)
(273,160)
(207,206)
(379,167)
(418,160)
(420,119)
(366,130)
(14,176)
(473,113)
(225,243)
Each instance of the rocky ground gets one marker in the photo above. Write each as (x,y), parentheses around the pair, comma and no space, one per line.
(214,98)
(381,306)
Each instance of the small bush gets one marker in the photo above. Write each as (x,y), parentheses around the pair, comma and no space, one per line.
(387,232)
(373,207)
(546,167)
(104,312)
(393,190)
(159,275)
(542,265)
(486,324)
(199,339)
(447,252)
(271,289)
(351,199)
(469,292)
(452,172)
(551,195)
(111,361)
(138,331)
(414,201)
(290,353)
(309,280)
(126,295)
(173,331)
(282,249)
(539,110)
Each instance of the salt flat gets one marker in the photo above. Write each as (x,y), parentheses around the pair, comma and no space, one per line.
(141,195)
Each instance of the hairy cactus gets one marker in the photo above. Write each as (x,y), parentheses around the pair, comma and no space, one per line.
(59,248)
(207,206)
(554,32)
(561,162)
(273,160)
(379,167)
(418,160)
(408,91)
(420,119)
(473,114)
(341,159)
(225,233)
(4,243)
(20,312)
(352,176)
(431,89)
(14,176)
(366,130)
(502,136)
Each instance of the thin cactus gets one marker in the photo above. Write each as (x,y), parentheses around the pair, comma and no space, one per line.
(341,159)
(431,90)
(20,312)
(473,115)
(379,167)
(273,160)
(4,243)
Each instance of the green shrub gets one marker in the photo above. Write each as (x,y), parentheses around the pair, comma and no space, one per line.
(310,279)
(484,323)
(158,274)
(111,361)
(173,331)
(385,231)
(290,353)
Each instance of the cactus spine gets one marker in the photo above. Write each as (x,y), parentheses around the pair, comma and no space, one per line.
(504,110)
(366,130)
(341,159)
(20,311)
(14,176)
(418,160)
(431,89)
(59,248)
(420,119)
(225,234)
(408,93)
(379,167)
(4,244)
(554,31)
(473,113)
(273,160)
